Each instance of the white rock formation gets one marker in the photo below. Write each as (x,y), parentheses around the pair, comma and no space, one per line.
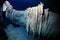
(40,16)
(34,15)
(31,19)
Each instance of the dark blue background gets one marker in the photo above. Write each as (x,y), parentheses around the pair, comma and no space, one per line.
(53,5)
(23,4)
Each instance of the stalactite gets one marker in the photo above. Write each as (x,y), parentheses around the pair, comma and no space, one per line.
(34,15)
(46,17)
(35,18)
(31,19)
(40,12)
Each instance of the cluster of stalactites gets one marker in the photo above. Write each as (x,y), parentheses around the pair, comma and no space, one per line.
(35,17)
